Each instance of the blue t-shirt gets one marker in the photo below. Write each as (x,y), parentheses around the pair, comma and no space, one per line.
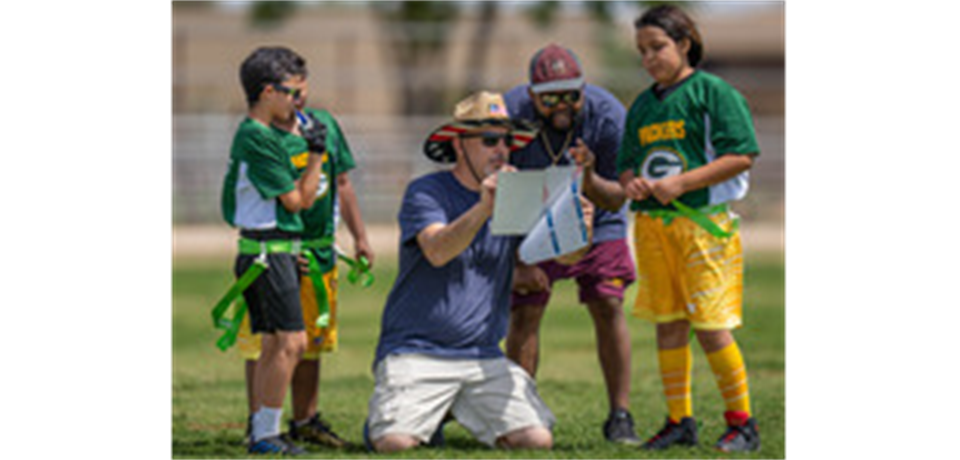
(600,124)
(459,310)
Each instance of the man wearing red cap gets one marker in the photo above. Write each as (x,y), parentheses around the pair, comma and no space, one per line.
(579,124)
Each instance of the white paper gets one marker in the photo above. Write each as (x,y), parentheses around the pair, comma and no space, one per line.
(561,230)
(545,206)
(519,202)
(522,197)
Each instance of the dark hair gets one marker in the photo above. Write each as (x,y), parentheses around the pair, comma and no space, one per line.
(676,24)
(266,66)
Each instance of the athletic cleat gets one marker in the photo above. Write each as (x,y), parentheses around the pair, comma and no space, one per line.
(317,431)
(619,428)
(672,433)
(278,444)
(740,438)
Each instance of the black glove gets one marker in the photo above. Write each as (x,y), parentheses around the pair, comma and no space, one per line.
(315,133)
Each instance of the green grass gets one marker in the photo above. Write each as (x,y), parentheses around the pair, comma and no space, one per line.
(209,399)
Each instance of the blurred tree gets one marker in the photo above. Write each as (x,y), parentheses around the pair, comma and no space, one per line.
(418,30)
(270,15)
(417,36)
(544,14)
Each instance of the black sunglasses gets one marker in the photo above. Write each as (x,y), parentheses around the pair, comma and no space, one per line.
(293,92)
(550,100)
(492,139)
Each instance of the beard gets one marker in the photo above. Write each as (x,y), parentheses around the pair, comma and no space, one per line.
(561,120)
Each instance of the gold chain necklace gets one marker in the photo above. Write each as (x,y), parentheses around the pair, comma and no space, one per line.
(555,157)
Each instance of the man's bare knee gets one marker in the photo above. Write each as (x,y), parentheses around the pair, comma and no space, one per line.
(606,311)
(536,437)
(394,443)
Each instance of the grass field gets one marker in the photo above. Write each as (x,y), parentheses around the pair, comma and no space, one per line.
(209,406)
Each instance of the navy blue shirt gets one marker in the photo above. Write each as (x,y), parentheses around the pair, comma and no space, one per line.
(600,124)
(459,310)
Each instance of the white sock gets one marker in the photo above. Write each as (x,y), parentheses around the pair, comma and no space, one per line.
(266,422)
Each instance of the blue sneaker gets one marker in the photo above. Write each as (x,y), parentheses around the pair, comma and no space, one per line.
(278,444)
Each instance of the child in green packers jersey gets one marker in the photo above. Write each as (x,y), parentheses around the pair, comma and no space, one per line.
(688,144)
(319,222)
(263,196)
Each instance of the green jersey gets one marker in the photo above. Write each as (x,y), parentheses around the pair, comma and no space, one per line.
(701,119)
(320,220)
(259,172)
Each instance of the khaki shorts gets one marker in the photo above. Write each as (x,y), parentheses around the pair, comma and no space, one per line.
(488,397)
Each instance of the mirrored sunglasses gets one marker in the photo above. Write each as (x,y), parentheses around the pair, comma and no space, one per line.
(550,100)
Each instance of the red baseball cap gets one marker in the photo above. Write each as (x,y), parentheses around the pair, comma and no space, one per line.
(555,68)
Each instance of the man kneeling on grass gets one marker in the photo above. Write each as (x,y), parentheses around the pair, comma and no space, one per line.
(439,351)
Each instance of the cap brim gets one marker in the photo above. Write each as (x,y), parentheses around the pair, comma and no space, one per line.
(559,85)
(439,148)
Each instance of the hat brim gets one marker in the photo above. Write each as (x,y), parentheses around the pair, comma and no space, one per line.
(439,148)
(558,85)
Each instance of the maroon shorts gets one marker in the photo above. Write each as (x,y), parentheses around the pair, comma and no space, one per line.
(605,271)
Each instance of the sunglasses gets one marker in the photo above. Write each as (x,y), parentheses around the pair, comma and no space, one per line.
(550,100)
(492,139)
(293,92)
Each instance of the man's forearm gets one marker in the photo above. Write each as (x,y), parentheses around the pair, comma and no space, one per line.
(722,169)
(310,181)
(605,193)
(442,243)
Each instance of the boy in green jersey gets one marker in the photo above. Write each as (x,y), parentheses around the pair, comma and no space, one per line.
(263,196)
(319,228)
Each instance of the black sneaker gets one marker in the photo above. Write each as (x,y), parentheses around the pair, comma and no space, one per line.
(317,431)
(683,433)
(740,438)
(278,444)
(619,428)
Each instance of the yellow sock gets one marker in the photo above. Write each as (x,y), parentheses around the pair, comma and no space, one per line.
(676,365)
(731,375)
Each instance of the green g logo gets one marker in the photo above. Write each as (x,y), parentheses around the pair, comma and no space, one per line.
(660,164)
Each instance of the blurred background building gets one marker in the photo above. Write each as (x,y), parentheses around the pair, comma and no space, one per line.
(392,71)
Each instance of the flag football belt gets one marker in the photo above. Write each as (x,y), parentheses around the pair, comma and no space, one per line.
(316,276)
(359,271)
(700,217)
(249,247)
